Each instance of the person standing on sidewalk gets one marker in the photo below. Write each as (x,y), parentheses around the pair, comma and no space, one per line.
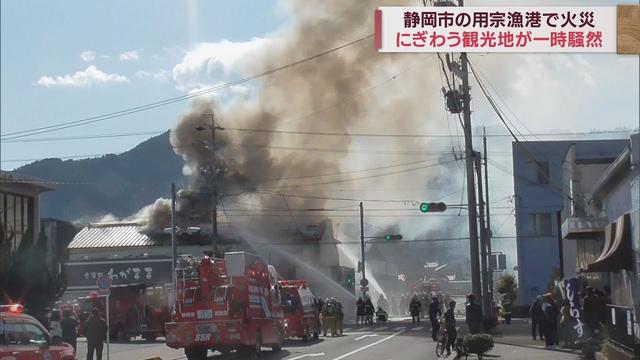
(550,323)
(69,327)
(450,326)
(414,309)
(537,317)
(435,312)
(473,315)
(95,330)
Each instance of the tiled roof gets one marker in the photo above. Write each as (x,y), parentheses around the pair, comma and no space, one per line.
(112,235)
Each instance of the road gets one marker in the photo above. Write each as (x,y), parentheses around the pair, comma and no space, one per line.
(393,341)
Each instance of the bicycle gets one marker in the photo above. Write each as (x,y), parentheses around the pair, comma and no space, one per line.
(441,345)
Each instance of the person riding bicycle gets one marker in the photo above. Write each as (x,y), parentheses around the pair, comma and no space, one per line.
(450,326)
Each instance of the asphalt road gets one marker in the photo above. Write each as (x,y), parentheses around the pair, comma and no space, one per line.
(393,341)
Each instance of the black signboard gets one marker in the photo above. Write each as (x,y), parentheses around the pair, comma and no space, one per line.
(83,275)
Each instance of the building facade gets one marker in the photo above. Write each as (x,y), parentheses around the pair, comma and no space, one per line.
(20,208)
(539,200)
(602,216)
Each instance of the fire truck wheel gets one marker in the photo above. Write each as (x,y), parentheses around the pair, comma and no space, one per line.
(316,334)
(196,353)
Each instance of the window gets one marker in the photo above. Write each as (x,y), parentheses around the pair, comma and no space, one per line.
(11,332)
(220,295)
(35,334)
(539,224)
(538,172)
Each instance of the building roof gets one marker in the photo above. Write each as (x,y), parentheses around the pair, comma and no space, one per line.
(112,235)
(12,177)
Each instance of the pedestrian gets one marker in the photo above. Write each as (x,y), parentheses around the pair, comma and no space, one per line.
(473,315)
(382,315)
(95,330)
(506,308)
(69,328)
(435,312)
(360,311)
(450,326)
(591,305)
(328,317)
(550,323)
(414,308)
(54,324)
(537,317)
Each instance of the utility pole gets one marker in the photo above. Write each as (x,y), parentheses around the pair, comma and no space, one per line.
(486,196)
(362,243)
(214,220)
(471,193)
(174,249)
(486,301)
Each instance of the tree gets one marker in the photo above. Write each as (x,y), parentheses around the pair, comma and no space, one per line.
(507,285)
(27,279)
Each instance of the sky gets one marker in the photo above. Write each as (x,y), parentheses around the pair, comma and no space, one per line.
(63,61)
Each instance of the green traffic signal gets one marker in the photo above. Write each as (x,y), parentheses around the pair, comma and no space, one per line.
(424,207)
(393,237)
(432,207)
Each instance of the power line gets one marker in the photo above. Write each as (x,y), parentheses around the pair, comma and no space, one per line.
(420,136)
(135,109)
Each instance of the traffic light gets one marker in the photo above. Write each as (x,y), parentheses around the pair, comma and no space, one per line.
(433,207)
(390,237)
(350,279)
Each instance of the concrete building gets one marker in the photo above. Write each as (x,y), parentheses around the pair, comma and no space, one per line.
(20,207)
(538,189)
(602,215)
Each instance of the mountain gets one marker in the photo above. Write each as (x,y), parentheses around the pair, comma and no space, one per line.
(112,184)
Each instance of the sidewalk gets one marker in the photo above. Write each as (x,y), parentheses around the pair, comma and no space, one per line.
(518,333)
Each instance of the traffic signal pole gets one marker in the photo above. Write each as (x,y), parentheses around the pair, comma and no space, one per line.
(486,202)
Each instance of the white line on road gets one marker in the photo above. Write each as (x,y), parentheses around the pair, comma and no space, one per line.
(366,336)
(398,328)
(307,355)
(417,328)
(365,329)
(369,345)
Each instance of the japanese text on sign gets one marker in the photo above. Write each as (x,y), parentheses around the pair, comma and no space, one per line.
(482,29)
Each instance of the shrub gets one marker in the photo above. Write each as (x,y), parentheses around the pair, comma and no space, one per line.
(478,344)
(507,285)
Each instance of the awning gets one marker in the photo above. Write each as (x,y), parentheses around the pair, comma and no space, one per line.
(617,253)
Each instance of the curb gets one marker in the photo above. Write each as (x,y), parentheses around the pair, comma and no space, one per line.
(566,351)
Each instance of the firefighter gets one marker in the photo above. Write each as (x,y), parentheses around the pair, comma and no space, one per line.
(415,307)
(359,311)
(328,317)
(368,310)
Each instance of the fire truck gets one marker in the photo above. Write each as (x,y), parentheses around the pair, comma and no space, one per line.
(301,313)
(226,304)
(134,310)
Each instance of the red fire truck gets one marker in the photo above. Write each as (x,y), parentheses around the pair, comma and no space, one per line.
(134,310)
(301,313)
(226,304)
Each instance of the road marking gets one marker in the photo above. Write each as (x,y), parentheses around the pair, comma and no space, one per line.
(365,329)
(348,329)
(366,336)
(382,328)
(417,328)
(398,328)
(307,355)
(369,345)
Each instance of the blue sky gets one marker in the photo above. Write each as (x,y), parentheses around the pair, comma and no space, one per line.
(47,38)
